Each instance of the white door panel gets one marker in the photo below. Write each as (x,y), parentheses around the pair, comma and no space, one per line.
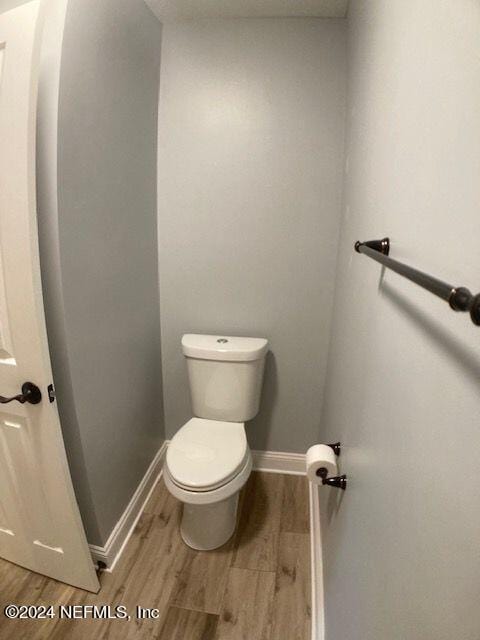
(40,526)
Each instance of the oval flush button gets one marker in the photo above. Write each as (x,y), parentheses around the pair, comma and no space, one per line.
(222,340)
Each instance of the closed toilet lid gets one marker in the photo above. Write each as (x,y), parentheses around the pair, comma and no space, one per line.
(206,454)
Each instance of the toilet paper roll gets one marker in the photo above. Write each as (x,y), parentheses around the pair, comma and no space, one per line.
(318,456)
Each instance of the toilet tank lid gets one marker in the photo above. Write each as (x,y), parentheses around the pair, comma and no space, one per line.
(225,348)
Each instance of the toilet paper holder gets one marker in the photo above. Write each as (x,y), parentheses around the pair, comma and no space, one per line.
(340,482)
(337,448)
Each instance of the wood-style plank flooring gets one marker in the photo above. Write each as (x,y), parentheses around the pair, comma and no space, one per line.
(256,587)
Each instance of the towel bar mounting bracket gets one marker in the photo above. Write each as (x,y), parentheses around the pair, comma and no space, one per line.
(382,246)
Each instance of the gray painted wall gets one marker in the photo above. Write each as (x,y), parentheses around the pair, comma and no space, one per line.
(99,254)
(401,549)
(250,157)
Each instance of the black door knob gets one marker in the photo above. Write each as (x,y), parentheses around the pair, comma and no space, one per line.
(30,393)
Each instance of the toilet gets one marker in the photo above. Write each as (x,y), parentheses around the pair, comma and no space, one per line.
(208,460)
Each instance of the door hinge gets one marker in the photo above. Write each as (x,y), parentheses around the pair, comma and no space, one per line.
(51,392)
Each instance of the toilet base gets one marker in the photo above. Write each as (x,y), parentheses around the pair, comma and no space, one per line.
(205,527)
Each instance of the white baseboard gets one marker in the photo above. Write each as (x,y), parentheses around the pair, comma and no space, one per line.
(279,462)
(318,621)
(111,552)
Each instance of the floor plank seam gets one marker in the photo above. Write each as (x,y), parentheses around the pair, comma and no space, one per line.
(253,570)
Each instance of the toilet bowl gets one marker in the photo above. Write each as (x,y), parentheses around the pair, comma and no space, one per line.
(208,460)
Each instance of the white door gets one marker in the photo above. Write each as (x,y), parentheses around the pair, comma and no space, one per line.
(40,526)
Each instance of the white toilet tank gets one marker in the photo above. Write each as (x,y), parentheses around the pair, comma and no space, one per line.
(225,375)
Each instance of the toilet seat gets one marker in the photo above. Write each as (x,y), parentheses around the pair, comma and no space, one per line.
(213,496)
(204,455)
